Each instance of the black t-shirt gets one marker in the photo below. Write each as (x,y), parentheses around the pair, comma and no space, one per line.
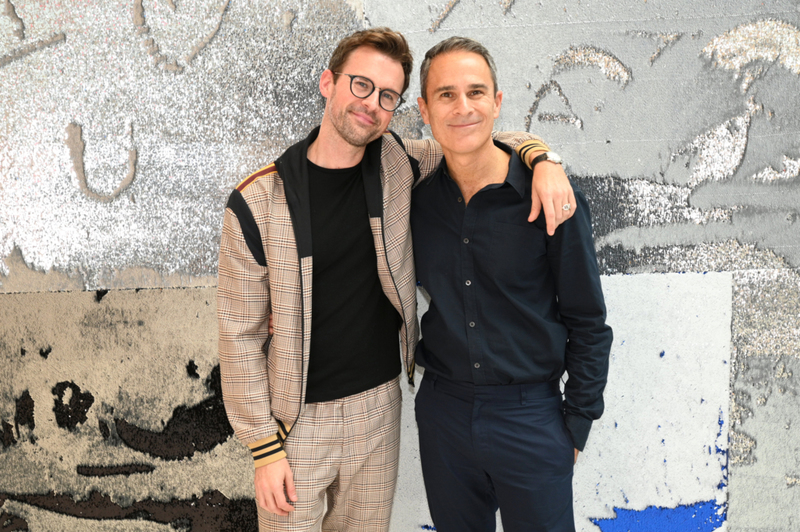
(354,327)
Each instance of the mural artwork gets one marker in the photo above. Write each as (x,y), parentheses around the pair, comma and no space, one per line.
(125,124)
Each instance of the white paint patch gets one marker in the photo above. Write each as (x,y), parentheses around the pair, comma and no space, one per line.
(664,436)
(791,169)
(720,151)
(764,40)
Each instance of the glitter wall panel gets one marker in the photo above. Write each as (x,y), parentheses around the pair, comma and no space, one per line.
(122,137)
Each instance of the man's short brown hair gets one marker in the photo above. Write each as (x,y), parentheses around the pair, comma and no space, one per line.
(454,44)
(384,40)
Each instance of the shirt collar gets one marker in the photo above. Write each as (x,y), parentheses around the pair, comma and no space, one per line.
(517,177)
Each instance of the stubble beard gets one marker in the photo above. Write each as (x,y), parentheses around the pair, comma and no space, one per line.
(352,133)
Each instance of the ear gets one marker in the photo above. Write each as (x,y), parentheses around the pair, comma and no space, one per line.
(423,110)
(498,101)
(326,83)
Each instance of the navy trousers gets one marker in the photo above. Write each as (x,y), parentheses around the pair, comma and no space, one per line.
(484,447)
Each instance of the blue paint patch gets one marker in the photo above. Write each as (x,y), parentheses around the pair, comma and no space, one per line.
(701,517)
(428,527)
(723,453)
(661,354)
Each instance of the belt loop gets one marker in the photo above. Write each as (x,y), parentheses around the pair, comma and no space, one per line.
(523,394)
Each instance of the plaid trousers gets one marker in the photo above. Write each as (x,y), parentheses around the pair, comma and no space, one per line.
(344,455)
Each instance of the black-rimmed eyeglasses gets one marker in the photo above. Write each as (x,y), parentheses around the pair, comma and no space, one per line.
(362,87)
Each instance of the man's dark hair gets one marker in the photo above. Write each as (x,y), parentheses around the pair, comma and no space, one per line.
(454,44)
(384,40)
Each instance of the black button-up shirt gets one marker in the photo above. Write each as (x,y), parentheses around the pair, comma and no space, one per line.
(510,304)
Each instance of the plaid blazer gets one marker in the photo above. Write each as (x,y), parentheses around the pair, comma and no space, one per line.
(265,267)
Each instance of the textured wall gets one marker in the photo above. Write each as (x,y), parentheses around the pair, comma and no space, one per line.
(125,124)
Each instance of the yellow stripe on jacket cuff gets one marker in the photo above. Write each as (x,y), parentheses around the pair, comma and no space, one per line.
(267,451)
(528,148)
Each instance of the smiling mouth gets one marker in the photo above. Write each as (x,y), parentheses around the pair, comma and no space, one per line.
(364,117)
(464,125)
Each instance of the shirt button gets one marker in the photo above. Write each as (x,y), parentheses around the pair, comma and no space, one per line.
(468,283)
(477,365)
(460,199)
(466,240)
(472,324)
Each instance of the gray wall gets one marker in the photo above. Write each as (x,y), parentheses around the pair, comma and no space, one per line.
(126,124)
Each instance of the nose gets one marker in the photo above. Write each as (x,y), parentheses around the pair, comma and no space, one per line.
(462,105)
(372,101)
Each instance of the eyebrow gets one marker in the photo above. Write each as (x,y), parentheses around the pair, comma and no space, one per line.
(453,87)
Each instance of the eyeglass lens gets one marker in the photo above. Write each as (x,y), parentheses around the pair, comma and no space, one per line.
(362,87)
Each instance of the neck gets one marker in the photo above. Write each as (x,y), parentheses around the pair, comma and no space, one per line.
(475,170)
(330,150)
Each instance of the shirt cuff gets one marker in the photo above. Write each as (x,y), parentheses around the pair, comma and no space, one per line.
(267,451)
(578,427)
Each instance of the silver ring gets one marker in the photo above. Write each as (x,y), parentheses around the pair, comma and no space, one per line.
(566,207)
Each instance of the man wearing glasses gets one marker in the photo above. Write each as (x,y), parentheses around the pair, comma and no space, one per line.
(318,401)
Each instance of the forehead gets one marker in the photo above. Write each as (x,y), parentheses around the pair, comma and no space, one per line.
(460,62)
(385,72)
(457,67)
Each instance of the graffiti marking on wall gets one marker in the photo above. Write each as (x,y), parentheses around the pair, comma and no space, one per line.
(210,512)
(565,118)
(576,57)
(154,50)
(11,12)
(505,4)
(790,170)
(591,56)
(199,428)
(663,40)
(765,40)
(28,49)
(719,152)
(76,149)
(447,9)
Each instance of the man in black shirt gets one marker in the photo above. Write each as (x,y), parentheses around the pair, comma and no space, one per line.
(512,308)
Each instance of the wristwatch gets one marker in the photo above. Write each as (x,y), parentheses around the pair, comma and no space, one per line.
(551,156)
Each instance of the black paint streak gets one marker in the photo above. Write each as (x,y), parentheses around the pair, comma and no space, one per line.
(104,430)
(45,352)
(199,428)
(69,415)
(8,435)
(99,295)
(606,197)
(191,370)
(24,412)
(213,512)
(615,259)
(11,523)
(22,351)
(107,471)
